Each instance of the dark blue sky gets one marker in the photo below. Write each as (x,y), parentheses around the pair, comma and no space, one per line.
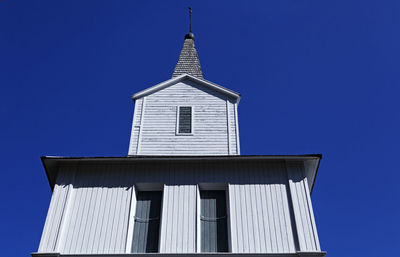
(315,77)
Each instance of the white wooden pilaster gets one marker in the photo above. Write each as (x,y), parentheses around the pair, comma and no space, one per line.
(302,208)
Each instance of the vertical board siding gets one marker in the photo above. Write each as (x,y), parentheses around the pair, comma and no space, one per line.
(179,219)
(260,218)
(210,127)
(99,206)
(302,209)
(99,212)
(56,211)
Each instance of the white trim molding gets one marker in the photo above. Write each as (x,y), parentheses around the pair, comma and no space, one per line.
(173,81)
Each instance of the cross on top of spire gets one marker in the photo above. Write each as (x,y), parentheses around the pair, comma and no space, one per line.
(190,19)
(190,34)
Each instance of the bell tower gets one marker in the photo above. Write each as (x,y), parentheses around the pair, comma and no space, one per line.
(185,115)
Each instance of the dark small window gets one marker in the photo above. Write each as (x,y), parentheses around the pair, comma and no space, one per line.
(213,221)
(147,222)
(185,120)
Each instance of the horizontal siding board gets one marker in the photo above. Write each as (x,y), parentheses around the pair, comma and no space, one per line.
(212,135)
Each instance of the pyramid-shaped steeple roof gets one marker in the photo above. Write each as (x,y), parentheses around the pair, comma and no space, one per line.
(188,61)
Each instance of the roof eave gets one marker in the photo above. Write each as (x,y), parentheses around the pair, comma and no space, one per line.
(51,163)
(49,179)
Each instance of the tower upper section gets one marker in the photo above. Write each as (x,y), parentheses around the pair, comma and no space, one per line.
(185,116)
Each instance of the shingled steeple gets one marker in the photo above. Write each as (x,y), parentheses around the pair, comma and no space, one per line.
(188,61)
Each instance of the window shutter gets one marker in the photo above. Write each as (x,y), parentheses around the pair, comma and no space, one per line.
(147,222)
(185,119)
(213,221)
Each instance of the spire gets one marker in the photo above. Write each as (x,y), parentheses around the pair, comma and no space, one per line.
(188,61)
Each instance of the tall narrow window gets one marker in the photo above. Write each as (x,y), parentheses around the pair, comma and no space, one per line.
(185,120)
(213,221)
(147,222)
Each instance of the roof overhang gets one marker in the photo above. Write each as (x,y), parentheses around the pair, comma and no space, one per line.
(218,254)
(183,77)
(52,163)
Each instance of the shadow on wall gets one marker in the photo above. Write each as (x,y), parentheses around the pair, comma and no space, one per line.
(174,173)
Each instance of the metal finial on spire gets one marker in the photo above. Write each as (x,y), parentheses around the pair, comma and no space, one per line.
(190,35)
(190,19)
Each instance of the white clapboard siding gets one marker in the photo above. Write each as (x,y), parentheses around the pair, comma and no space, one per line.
(155,120)
(302,209)
(90,213)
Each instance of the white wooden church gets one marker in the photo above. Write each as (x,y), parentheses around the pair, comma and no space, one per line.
(183,189)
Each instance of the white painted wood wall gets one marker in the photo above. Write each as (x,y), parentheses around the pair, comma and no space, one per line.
(269,207)
(215,127)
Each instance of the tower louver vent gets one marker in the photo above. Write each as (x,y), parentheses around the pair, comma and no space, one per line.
(185,119)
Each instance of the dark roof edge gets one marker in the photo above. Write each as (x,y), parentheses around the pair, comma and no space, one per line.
(316,173)
(183,157)
(50,163)
(43,158)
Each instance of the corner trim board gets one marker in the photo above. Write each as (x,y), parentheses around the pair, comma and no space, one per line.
(141,125)
(237,131)
(228,128)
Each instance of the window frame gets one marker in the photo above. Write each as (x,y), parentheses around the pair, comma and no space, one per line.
(131,220)
(177,133)
(212,187)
